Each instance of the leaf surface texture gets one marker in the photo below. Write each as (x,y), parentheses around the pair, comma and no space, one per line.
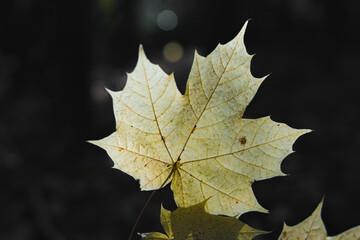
(199,141)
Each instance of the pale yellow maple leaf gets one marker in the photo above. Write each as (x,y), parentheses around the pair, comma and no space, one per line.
(199,140)
(313,228)
(193,223)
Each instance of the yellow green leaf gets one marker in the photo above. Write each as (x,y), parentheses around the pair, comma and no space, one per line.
(193,223)
(199,140)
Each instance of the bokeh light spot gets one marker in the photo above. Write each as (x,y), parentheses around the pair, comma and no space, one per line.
(173,51)
(167,20)
(107,5)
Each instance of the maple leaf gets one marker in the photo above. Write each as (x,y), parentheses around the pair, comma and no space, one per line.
(193,223)
(313,228)
(199,140)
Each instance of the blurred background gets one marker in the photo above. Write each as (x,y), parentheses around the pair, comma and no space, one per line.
(56,57)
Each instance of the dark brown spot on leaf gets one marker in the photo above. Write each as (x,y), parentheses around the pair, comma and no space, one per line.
(243,140)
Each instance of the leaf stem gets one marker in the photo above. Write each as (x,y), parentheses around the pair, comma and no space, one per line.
(141,213)
(147,203)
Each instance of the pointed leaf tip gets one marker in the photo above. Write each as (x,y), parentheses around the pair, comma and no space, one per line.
(243,30)
(94,142)
(97,142)
(111,92)
(246,23)
(141,52)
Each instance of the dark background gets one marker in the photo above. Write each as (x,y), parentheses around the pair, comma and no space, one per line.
(57,56)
